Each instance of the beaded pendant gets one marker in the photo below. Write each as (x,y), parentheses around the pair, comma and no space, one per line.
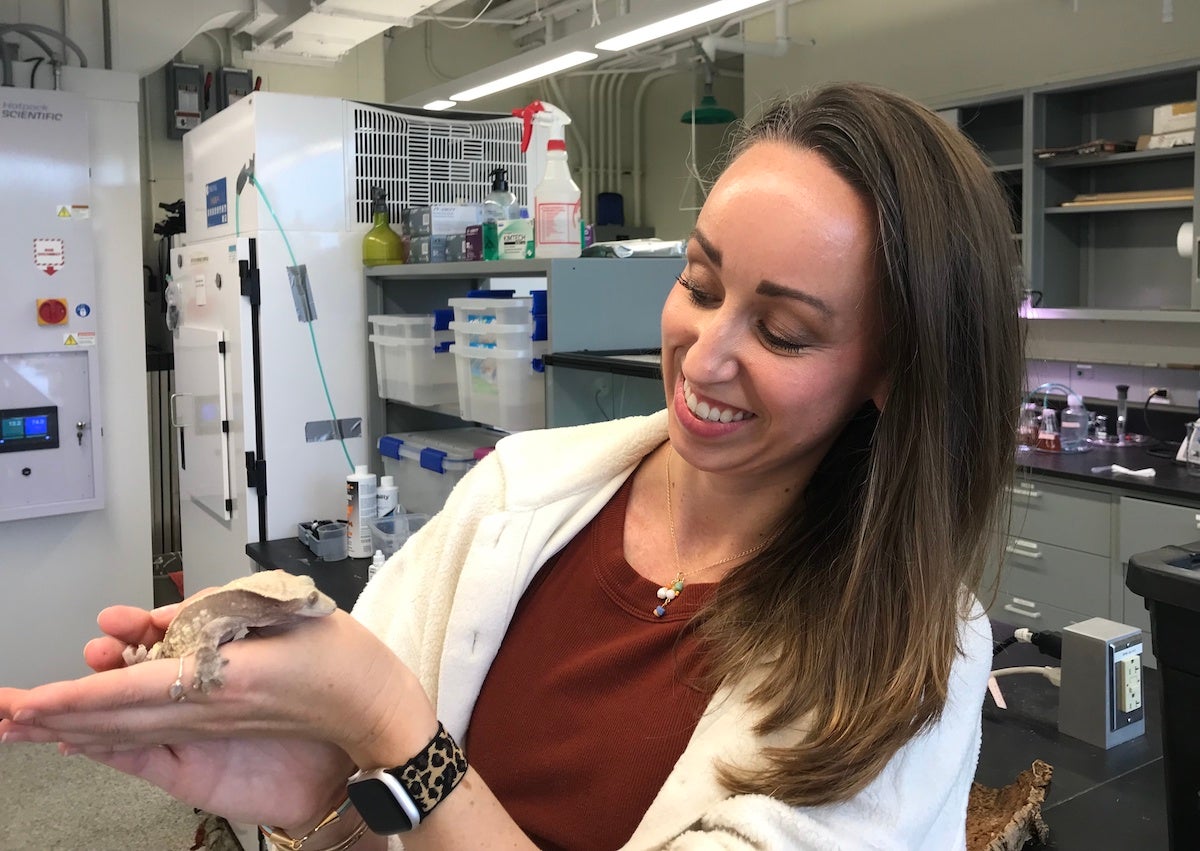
(668,593)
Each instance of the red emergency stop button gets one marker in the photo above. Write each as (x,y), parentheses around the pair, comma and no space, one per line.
(52,311)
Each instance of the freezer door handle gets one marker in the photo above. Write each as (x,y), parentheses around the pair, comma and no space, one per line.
(171,409)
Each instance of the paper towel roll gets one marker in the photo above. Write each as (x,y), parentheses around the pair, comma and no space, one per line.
(1185,239)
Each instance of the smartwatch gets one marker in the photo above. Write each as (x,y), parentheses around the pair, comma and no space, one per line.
(395,800)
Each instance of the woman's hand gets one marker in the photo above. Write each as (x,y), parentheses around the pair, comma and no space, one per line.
(298,710)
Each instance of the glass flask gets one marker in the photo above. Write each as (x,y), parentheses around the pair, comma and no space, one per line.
(1048,439)
(1027,427)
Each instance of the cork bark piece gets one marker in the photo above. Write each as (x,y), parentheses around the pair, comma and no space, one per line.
(1005,819)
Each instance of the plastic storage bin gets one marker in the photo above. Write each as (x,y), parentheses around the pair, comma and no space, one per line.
(328,541)
(500,387)
(501,311)
(428,464)
(417,371)
(477,335)
(410,326)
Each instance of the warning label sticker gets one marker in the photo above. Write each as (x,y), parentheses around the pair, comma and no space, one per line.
(85,338)
(48,254)
(69,340)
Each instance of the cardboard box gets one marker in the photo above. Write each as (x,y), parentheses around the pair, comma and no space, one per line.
(418,220)
(1166,140)
(419,250)
(1173,117)
(449,219)
(473,243)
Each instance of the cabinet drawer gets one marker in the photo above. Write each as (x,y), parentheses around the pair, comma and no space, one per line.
(1056,575)
(1032,614)
(1066,517)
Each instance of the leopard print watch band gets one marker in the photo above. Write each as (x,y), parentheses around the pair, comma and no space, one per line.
(433,773)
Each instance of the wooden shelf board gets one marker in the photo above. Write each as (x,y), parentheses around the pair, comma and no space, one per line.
(1119,208)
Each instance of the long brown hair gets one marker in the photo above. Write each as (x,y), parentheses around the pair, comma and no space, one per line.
(858,601)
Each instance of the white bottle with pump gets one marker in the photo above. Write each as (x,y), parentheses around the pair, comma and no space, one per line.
(387,497)
(556,214)
(360,510)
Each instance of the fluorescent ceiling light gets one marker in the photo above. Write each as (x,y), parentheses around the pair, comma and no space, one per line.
(677,23)
(439,105)
(535,72)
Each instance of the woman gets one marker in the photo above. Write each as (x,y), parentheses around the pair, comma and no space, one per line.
(740,623)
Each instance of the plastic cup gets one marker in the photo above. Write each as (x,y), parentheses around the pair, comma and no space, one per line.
(388,534)
(332,543)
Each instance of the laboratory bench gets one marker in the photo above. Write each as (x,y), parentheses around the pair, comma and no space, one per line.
(1171,480)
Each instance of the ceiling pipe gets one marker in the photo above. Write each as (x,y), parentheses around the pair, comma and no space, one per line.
(711,44)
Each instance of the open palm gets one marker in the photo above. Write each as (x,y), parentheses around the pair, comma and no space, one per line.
(244,780)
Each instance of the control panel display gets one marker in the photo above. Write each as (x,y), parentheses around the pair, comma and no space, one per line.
(27,429)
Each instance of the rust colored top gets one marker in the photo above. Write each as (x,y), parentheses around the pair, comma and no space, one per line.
(591,698)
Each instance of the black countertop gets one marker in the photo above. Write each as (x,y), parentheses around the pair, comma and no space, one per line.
(1171,480)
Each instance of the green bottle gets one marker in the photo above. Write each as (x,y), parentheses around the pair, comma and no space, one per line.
(382,246)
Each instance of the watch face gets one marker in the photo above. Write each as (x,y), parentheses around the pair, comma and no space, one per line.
(378,806)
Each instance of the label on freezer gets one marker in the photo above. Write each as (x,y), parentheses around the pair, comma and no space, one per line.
(216,202)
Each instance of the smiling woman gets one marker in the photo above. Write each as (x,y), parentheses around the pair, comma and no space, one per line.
(743,622)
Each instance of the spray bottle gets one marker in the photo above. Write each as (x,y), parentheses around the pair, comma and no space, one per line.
(382,245)
(556,213)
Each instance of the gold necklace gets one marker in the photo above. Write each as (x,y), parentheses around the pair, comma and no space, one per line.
(667,593)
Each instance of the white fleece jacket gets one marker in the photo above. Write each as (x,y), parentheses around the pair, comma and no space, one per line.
(444,602)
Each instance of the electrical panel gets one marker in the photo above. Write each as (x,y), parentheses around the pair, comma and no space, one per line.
(233,84)
(50,458)
(185,98)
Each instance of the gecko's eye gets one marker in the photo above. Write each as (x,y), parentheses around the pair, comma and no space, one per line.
(312,598)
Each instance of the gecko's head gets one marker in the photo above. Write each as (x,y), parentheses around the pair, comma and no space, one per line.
(314,604)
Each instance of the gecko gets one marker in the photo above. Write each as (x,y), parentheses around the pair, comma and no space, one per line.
(209,619)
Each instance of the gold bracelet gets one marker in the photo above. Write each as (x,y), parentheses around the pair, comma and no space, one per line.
(284,842)
(348,842)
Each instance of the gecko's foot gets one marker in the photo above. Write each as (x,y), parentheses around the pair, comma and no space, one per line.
(135,655)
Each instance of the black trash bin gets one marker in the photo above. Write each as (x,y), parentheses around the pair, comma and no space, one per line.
(1169,580)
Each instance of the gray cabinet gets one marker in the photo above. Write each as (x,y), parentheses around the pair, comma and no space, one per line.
(1066,549)
(1056,558)
(1111,252)
(1104,254)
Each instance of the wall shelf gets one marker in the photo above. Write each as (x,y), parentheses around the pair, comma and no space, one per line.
(1119,208)
(1089,256)
(1175,153)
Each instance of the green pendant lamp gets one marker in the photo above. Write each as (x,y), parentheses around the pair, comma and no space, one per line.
(709,111)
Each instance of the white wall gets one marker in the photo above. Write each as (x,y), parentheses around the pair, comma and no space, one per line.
(58,572)
(943,50)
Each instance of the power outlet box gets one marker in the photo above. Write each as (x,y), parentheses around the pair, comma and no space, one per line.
(1101,700)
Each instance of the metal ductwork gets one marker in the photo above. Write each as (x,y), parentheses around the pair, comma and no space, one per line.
(323,31)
